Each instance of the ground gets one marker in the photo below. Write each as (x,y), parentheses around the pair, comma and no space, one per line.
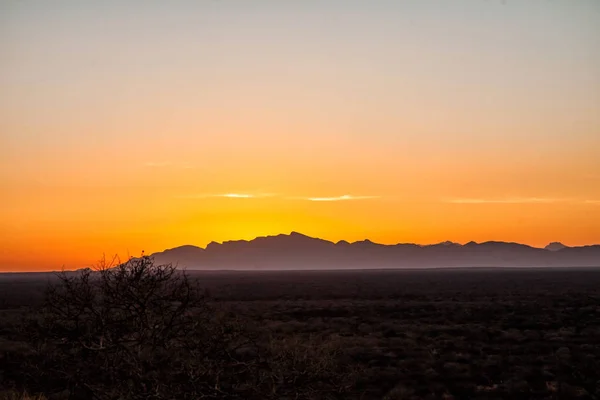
(463,334)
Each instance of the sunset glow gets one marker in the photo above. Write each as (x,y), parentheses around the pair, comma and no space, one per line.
(130,126)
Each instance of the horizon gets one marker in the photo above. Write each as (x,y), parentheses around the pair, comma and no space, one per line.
(148,125)
(367,239)
(335,242)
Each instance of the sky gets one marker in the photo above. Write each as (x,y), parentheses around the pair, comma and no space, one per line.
(145,125)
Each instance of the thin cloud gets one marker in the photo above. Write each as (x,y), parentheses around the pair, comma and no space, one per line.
(592,202)
(345,197)
(510,200)
(238,195)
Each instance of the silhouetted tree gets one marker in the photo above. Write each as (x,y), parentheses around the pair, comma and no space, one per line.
(128,330)
(137,330)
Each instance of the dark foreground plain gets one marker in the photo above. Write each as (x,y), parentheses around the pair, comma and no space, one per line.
(408,334)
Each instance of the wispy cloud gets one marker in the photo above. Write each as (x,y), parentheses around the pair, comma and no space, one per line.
(516,200)
(345,197)
(592,202)
(246,195)
(239,195)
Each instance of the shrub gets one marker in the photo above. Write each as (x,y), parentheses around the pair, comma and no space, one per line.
(12,395)
(139,330)
(132,330)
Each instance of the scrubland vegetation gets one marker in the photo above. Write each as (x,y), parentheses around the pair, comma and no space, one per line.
(142,331)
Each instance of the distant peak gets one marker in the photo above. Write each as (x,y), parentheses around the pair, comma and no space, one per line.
(185,247)
(448,243)
(555,246)
(298,234)
(367,242)
(212,245)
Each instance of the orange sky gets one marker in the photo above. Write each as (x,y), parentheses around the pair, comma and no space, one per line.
(123,126)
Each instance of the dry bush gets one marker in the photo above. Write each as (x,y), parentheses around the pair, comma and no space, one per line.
(139,330)
(132,330)
(13,395)
(302,368)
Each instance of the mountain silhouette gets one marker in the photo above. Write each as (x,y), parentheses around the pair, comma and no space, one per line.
(297,251)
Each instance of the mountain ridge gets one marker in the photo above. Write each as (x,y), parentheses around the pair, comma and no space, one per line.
(299,251)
